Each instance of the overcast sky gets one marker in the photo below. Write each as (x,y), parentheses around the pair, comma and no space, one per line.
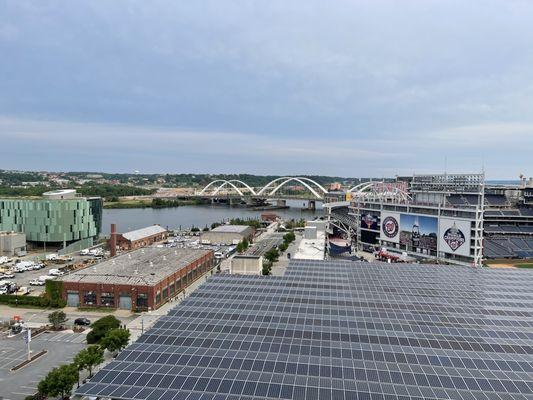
(350,88)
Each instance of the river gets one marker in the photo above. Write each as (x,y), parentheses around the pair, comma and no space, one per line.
(128,219)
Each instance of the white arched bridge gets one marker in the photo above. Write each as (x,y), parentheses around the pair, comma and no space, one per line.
(240,188)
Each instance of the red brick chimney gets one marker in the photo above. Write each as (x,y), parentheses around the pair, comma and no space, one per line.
(113,240)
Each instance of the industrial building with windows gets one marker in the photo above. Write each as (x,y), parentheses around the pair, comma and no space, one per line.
(58,216)
(140,238)
(337,331)
(227,234)
(139,280)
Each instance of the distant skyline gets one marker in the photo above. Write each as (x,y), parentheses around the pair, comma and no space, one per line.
(340,88)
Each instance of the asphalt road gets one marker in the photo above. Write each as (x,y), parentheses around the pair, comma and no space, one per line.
(61,346)
(35,317)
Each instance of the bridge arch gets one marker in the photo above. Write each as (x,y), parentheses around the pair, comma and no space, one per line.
(374,189)
(231,183)
(286,179)
(363,186)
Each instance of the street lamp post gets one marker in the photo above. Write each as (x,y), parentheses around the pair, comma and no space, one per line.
(27,339)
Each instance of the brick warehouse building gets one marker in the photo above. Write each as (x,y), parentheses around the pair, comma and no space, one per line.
(139,280)
(140,238)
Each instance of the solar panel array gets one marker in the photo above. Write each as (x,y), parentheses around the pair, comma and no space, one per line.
(339,331)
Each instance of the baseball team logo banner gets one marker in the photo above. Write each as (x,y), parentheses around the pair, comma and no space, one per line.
(390,227)
(454,236)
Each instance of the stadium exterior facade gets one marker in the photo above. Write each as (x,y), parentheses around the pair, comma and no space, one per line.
(57,217)
(419,219)
(453,218)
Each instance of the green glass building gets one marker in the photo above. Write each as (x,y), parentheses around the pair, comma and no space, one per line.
(58,217)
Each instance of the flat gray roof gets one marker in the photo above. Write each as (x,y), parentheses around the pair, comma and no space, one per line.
(231,228)
(134,268)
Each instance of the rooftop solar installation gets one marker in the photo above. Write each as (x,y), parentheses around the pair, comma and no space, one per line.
(337,331)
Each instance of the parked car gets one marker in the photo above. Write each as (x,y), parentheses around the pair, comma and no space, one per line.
(36,282)
(17,328)
(9,275)
(82,321)
(55,272)
(23,290)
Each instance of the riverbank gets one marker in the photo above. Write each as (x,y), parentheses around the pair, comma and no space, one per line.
(154,203)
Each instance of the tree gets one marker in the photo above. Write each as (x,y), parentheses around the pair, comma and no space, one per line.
(100,328)
(240,247)
(267,268)
(245,243)
(272,255)
(116,339)
(89,357)
(283,246)
(59,381)
(57,318)
(289,237)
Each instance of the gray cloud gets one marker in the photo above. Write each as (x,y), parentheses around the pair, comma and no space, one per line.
(343,87)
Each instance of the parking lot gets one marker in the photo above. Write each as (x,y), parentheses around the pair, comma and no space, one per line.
(61,346)
(22,279)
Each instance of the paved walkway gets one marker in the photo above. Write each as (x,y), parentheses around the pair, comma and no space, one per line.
(279,267)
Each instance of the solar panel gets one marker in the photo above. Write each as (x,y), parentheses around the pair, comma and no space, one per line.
(337,330)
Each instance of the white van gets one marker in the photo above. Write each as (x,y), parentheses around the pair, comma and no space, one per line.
(55,272)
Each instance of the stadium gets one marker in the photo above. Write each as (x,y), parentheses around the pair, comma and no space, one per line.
(447,218)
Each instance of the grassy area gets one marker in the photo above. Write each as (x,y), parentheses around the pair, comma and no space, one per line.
(509,263)
(524,265)
(128,204)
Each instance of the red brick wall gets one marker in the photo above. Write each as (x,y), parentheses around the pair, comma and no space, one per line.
(125,244)
(133,290)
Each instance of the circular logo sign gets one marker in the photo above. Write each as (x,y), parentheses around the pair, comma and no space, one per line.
(390,227)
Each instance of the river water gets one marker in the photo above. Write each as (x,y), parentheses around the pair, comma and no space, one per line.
(183,217)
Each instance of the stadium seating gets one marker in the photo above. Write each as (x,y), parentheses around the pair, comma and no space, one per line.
(495,200)
(508,247)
